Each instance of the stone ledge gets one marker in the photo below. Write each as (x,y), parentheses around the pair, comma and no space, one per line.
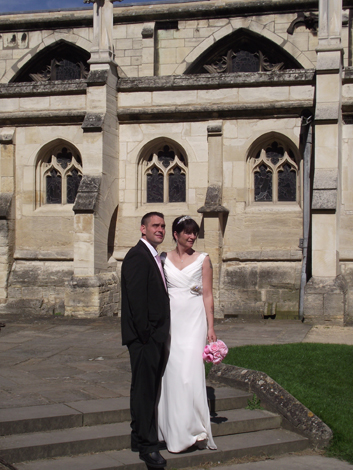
(296,416)
(57,87)
(42,117)
(224,80)
(268,255)
(244,110)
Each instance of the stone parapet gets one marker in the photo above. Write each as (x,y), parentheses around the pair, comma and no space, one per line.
(275,398)
(224,80)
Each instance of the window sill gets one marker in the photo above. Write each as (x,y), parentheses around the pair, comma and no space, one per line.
(270,207)
(54,209)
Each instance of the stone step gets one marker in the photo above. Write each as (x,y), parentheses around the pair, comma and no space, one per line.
(116,436)
(94,412)
(268,442)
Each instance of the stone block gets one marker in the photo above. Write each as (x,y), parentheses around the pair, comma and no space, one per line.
(324,199)
(239,277)
(276,275)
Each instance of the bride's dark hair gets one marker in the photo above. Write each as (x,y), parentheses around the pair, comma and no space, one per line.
(186,224)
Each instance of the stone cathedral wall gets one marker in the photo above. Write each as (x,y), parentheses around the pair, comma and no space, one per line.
(54,259)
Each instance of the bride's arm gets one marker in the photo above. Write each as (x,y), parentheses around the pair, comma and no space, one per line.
(207,284)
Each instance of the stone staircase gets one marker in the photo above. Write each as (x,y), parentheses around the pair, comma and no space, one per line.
(95,435)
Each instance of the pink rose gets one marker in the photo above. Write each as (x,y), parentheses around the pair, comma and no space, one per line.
(222,348)
(207,357)
(213,347)
(217,358)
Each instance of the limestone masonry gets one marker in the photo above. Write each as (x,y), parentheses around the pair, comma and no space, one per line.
(238,113)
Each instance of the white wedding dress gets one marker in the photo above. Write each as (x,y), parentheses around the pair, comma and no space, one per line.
(183,413)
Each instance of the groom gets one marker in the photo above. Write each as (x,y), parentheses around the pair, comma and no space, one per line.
(145,320)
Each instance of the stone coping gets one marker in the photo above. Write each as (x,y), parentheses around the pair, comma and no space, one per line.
(275,398)
(203,112)
(267,255)
(224,80)
(155,11)
(56,87)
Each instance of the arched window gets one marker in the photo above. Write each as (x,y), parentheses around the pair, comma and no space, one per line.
(59,61)
(243,51)
(59,174)
(274,174)
(163,174)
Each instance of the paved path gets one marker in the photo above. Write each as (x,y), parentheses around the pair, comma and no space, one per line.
(61,359)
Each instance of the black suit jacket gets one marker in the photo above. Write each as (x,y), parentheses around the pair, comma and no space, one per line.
(145,303)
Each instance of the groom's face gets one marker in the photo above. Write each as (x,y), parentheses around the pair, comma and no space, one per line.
(154,230)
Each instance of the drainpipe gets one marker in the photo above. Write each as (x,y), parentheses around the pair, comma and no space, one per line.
(306,121)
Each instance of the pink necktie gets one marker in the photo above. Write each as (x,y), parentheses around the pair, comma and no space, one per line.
(159,262)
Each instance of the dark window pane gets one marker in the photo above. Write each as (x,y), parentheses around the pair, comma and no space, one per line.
(166,156)
(177,187)
(155,186)
(274,153)
(244,61)
(287,178)
(53,188)
(263,184)
(73,182)
(66,70)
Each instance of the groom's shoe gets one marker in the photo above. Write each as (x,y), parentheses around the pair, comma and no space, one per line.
(153,459)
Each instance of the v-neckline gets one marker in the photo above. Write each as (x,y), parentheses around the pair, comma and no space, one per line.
(185,266)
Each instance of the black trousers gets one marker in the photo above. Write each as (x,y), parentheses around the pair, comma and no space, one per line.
(146,366)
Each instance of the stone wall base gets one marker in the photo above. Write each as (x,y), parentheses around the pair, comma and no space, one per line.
(37,288)
(260,289)
(325,300)
(92,296)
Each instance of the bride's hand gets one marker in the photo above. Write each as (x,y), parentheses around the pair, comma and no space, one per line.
(211,335)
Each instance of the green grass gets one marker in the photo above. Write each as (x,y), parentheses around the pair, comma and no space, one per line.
(319,375)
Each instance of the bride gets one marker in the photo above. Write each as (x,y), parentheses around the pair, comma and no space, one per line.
(183,414)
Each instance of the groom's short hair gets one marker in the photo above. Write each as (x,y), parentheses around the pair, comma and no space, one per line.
(145,219)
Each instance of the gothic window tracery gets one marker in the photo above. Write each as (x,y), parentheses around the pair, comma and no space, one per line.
(163,175)
(59,61)
(58,176)
(274,175)
(243,51)
(242,61)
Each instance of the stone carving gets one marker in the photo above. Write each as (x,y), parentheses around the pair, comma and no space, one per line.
(243,61)
(310,21)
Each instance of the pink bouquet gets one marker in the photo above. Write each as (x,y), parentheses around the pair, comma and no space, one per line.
(215,352)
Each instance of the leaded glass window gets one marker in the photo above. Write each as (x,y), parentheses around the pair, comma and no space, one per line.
(58,176)
(177,186)
(53,187)
(263,184)
(164,172)
(155,186)
(274,173)
(73,182)
(287,183)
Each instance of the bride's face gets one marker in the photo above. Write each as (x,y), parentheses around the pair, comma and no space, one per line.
(185,240)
